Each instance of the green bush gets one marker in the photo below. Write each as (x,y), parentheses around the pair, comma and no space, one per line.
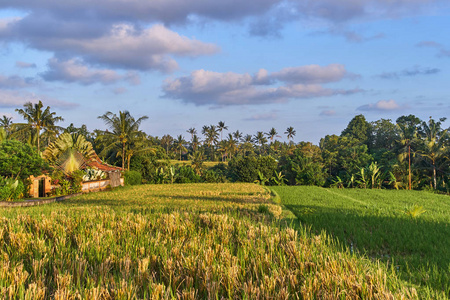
(11,189)
(243,169)
(185,174)
(133,178)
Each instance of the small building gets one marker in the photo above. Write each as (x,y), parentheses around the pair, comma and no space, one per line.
(40,186)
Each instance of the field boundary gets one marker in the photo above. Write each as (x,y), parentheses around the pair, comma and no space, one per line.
(34,202)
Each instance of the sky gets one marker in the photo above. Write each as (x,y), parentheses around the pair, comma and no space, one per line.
(309,64)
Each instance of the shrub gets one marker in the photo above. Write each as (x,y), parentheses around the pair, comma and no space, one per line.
(244,169)
(185,174)
(10,189)
(133,178)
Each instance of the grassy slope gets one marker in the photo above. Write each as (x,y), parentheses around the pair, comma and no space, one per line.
(376,223)
(165,241)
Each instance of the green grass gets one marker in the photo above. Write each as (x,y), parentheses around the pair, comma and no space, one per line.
(195,241)
(409,230)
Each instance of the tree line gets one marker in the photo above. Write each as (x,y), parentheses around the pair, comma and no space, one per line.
(409,153)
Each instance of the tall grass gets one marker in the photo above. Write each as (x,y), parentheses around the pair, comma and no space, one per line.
(185,242)
(409,230)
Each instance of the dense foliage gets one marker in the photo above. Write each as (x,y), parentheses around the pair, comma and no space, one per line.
(406,154)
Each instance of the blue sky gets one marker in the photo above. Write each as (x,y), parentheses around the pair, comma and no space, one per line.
(308,64)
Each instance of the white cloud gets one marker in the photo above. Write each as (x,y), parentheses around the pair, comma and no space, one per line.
(16,99)
(75,71)
(15,82)
(123,46)
(203,87)
(311,74)
(382,105)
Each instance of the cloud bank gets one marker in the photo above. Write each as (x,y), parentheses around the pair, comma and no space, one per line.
(204,87)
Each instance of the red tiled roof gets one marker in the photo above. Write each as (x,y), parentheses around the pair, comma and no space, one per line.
(96,162)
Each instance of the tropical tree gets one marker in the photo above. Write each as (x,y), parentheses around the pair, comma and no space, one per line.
(221,127)
(69,152)
(261,140)
(407,135)
(166,141)
(290,132)
(435,144)
(180,145)
(272,134)
(6,123)
(124,130)
(37,120)
(192,131)
(211,134)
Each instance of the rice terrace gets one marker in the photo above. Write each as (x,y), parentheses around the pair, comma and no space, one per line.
(232,241)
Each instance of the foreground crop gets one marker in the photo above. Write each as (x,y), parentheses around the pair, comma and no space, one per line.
(203,249)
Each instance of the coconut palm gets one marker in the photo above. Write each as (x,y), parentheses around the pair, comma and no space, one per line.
(37,120)
(124,131)
(221,127)
(6,123)
(211,136)
(435,144)
(180,144)
(192,131)
(261,140)
(272,134)
(166,141)
(290,132)
(408,130)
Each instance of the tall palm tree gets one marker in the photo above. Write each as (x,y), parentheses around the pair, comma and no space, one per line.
(211,136)
(290,132)
(272,134)
(435,144)
(124,131)
(166,141)
(237,135)
(38,119)
(408,130)
(179,144)
(195,142)
(221,127)
(261,140)
(192,131)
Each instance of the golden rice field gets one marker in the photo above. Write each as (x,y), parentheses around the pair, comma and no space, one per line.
(196,241)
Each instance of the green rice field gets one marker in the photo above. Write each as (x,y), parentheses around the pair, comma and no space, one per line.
(408,231)
(193,241)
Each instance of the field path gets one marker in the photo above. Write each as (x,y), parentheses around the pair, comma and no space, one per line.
(345,196)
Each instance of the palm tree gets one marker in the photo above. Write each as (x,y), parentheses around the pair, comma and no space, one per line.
(192,131)
(179,144)
(408,129)
(290,132)
(272,134)
(37,120)
(197,162)
(435,144)
(211,136)
(221,127)
(124,131)
(166,141)
(6,123)
(261,140)
(195,142)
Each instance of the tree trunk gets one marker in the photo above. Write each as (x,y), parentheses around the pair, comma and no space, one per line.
(409,165)
(434,176)
(123,155)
